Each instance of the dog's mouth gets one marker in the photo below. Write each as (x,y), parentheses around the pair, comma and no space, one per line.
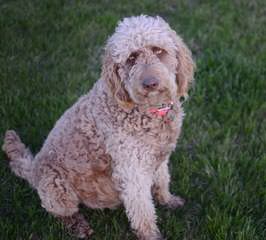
(153,98)
(148,94)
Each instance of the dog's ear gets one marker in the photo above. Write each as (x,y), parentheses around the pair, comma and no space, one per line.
(110,73)
(185,66)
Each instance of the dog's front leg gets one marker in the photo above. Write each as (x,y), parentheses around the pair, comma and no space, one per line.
(161,188)
(134,185)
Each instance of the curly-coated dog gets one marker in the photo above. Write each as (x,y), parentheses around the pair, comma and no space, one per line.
(113,145)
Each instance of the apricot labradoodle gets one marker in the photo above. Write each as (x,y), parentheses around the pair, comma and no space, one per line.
(112,146)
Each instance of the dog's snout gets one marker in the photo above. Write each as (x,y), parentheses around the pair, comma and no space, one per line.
(150,83)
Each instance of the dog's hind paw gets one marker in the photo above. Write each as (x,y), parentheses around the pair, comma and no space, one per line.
(77,226)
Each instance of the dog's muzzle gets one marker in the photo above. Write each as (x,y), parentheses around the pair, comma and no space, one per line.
(150,83)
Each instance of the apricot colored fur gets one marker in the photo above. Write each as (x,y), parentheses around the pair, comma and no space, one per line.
(108,149)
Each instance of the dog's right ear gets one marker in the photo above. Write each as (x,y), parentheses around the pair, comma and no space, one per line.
(110,73)
(186,66)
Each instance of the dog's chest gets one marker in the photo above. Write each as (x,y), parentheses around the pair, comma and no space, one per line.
(159,133)
(161,138)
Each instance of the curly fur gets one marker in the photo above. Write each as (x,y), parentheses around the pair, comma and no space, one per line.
(108,149)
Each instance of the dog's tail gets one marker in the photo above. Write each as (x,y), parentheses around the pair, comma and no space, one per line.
(21,158)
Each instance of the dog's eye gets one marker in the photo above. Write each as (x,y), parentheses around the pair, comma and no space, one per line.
(132,58)
(157,51)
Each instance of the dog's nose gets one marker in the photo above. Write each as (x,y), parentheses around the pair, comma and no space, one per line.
(150,83)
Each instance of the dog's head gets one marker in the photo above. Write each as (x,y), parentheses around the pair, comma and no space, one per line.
(146,62)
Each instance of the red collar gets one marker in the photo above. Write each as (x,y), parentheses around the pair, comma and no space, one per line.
(163,110)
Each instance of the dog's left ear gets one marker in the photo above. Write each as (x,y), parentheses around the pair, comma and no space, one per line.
(185,66)
(110,73)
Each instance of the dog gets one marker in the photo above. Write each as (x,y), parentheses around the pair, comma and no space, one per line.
(112,147)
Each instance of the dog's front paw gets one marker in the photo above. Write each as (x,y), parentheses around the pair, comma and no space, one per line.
(175,202)
(156,236)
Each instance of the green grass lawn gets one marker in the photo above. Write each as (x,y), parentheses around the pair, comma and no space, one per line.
(50,55)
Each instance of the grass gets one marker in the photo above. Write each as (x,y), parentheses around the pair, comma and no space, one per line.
(50,55)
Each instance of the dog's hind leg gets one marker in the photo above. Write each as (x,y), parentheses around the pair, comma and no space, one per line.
(59,199)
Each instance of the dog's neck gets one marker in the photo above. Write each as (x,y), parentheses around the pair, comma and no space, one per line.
(165,111)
